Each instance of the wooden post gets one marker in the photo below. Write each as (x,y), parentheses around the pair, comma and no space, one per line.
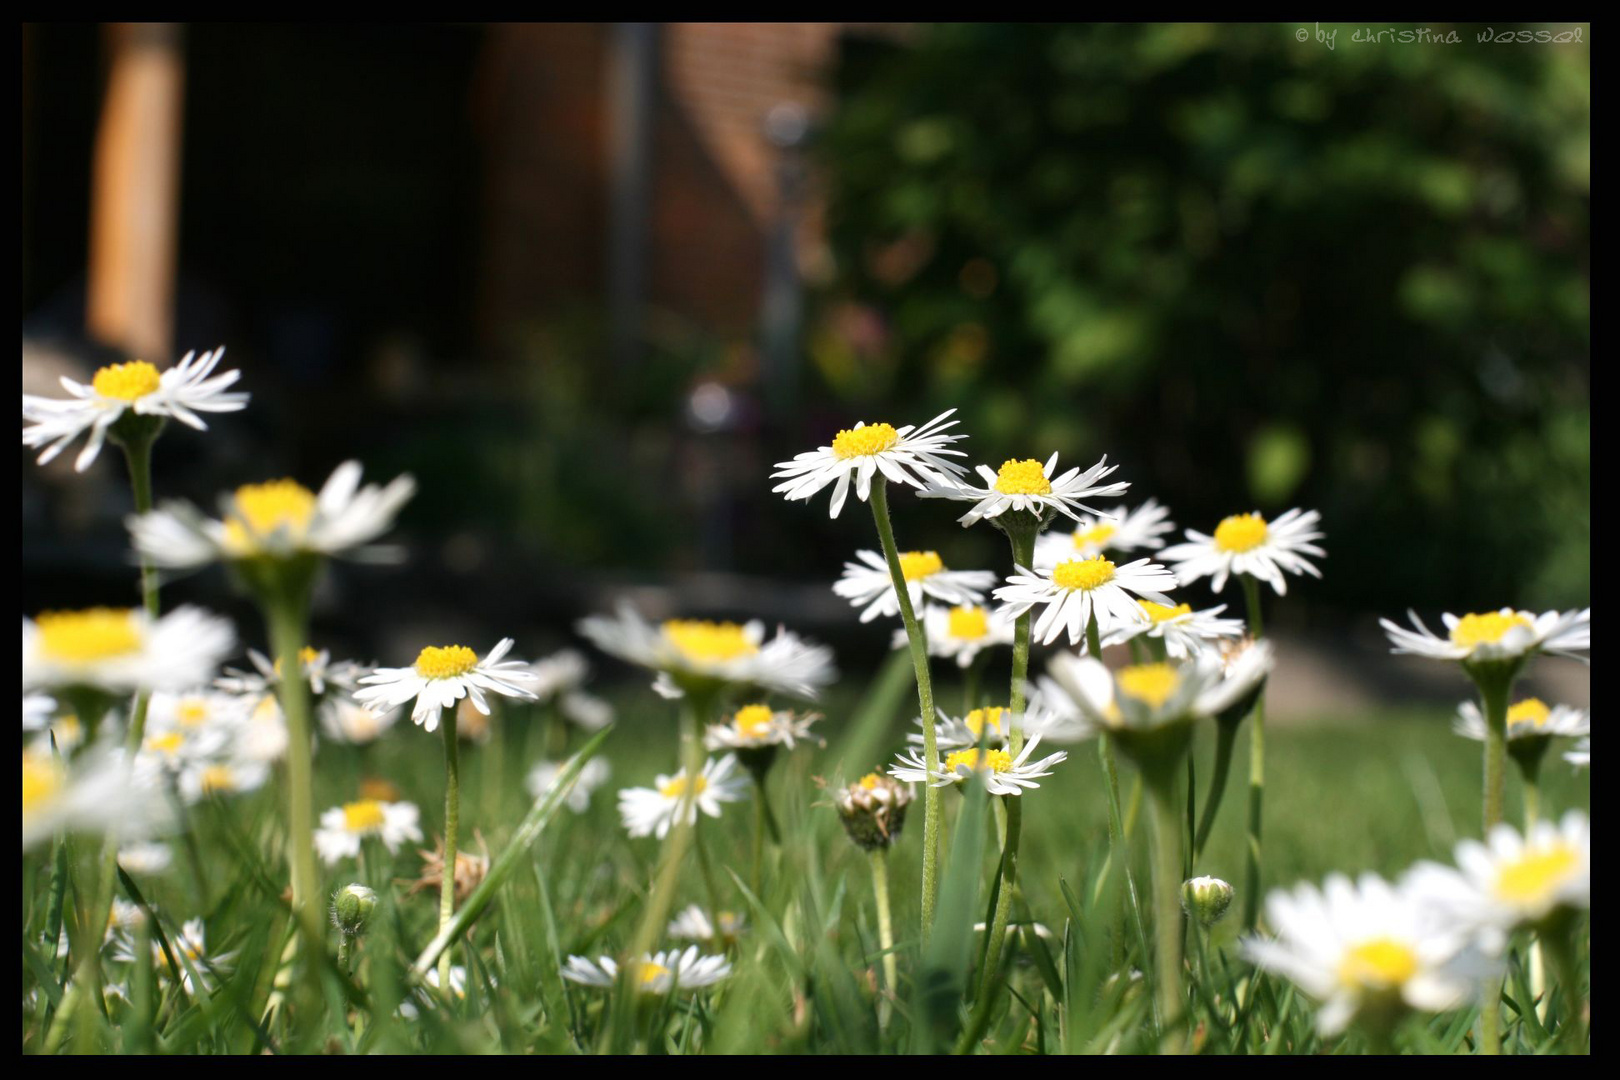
(135,192)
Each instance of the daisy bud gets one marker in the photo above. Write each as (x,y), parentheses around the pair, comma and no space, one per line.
(1206,899)
(873,810)
(352,908)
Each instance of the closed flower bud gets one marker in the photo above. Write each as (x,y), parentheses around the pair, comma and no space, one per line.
(352,908)
(873,810)
(1206,899)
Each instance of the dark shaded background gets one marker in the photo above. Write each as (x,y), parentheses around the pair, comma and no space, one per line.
(1255,272)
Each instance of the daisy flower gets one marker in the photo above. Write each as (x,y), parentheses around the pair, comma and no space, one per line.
(144,858)
(558,680)
(755,727)
(344,720)
(654,811)
(1129,530)
(870,587)
(190,949)
(217,779)
(1492,636)
(93,793)
(122,650)
(873,810)
(181,392)
(280,519)
(960,633)
(344,827)
(1528,719)
(693,924)
(1580,755)
(661,973)
(443,676)
(1511,880)
(992,723)
(318,668)
(1073,591)
(915,456)
(688,650)
(593,775)
(1003,774)
(1248,544)
(1029,485)
(1143,697)
(1363,947)
(263,736)
(1183,630)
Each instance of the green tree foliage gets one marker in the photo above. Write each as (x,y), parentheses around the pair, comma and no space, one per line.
(1256,271)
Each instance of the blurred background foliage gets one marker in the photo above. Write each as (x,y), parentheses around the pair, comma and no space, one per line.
(1254,272)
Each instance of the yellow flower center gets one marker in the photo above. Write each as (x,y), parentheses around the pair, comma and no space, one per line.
(1537,875)
(676,788)
(1240,532)
(969,623)
(363,816)
(258,510)
(42,778)
(221,778)
(1152,684)
(709,642)
(1159,613)
(1085,574)
(192,712)
(1096,536)
(916,565)
(752,720)
(167,744)
(863,441)
(435,662)
(126,382)
(306,656)
(1529,711)
(84,637)
(976,719)
(869,781)
(994,760)
(649,973)
(1472,630)
(1024,477)
(1378,964)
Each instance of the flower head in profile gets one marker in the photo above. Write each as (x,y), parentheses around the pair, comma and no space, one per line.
(1249,544)
(1183,630)
(694,924)
(755,727)
(1364,948)
(231,774)
(94,792)
(1512,880)
(873,810)
(991,725)
(867,584)
(696,651)
(1073,592)
(661,973)
(1122,531)
(1531,718)
(122,650)
(320,671)
(343,827)
(277,520)
(592,775)
(1505,636)
(1143,697)
(960,633)
(344,720)
(138,388)
(1002,773)
(441,677)
(674,800)
(1028,485)
(189,949)
(917,456)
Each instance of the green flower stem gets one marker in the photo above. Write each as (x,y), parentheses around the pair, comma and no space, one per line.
(1225,741)
(1530,773)
(880,892)
(1493,692)
(1167,910)
(288,618)
(1004,894)
(1022,538)
(1257,770)
(452,823)
(925,698)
